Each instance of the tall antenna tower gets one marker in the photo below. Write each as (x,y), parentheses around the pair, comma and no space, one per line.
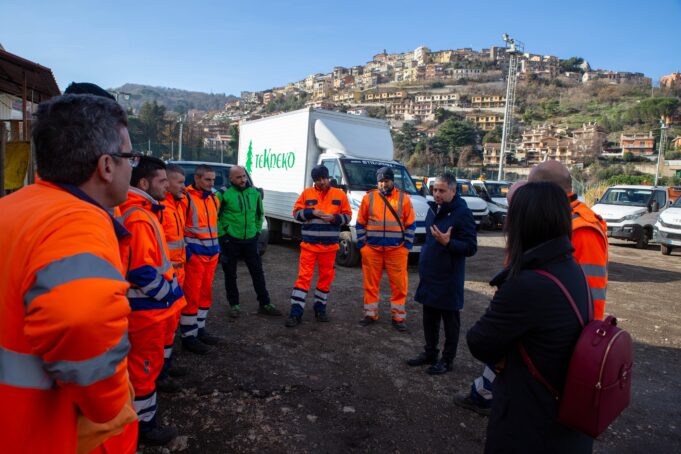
(514,49)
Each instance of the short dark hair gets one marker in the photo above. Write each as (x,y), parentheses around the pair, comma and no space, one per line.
(147,168)
(447,178)
(202,169)
(538,212)
(174,168)
(71,132)
(87,88)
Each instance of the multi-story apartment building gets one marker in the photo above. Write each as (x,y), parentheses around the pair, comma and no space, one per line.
(550,141)
(671,80)
(434,71)
(638,144)
(588,141)
(447,99)
(463,73)
(268,97)
(385,96)
(490,153)
(442,56)
(353,96)
(486,121)
(422,55)
(251,97)
(488,101)
(617,77)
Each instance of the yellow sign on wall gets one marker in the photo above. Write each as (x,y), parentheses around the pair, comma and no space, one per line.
(16,164)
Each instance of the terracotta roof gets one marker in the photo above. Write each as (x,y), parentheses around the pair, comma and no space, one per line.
(40,82)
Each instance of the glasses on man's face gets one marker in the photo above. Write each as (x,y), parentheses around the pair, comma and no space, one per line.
(133,158)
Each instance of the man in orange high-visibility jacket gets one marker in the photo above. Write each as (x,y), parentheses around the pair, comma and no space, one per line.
(590,242)
(63,311)
(323,210)
(385,239)
(203,249)
(153,292)
(173,220)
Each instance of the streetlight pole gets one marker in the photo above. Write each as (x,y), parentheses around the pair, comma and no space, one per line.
(661,148)
(516,48)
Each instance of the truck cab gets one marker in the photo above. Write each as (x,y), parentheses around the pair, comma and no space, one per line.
(631,211)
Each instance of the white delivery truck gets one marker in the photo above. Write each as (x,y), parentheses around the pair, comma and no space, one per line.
(280,151)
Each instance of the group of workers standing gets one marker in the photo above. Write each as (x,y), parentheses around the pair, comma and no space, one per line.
(108,253)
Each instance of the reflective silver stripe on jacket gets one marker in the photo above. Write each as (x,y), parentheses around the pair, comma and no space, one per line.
(160,240)
(595,270)
(69,269)
(202,242)
(174,245)
(330,233)
(23,370)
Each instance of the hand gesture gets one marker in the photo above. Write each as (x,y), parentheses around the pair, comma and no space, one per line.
(442,238)
(323,216)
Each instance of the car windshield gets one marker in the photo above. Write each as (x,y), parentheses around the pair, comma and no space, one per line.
(465,189)
(221,174)
(497,189)
(626,196)
(677,203)
(361,175)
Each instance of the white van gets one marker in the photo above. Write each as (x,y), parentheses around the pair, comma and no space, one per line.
(667,229)
(475,203)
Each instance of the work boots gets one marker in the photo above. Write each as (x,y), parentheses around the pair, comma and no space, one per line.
(441,367)
(423,358)
(207,338)
(158,435)
(193,345)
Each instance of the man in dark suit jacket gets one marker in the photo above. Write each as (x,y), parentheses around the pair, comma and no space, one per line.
(450,238)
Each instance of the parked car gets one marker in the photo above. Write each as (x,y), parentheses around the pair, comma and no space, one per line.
(222,183)
(494,193)
(667,229)
(475,203)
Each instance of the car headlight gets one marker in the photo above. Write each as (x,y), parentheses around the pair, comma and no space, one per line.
(631,217)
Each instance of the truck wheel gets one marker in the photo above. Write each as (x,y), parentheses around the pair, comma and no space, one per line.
(348,254)
(643,240)
(666,250)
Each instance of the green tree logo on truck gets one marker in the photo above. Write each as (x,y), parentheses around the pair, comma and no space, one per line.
(249,157)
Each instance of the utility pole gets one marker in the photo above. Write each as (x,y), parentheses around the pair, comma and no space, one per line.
(514,50)
(179,149)
(661,147)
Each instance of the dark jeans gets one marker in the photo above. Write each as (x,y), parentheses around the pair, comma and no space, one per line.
(431,331)
(230,251)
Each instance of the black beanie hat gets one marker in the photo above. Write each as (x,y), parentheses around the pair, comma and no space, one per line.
(318,172)
(385,173)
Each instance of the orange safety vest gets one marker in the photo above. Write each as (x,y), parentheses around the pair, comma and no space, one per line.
(154,284)
(377,226)
(201,227)
(320,235)
(63,318)
(590,240)
(173,221)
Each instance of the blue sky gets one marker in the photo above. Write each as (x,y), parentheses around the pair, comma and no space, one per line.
(226,46)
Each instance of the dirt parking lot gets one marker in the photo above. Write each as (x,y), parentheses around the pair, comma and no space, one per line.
(339,387)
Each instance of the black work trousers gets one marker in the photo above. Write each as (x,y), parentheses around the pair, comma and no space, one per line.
(230,251)
(431,331)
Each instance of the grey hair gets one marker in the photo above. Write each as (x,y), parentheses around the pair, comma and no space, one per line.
(448,179)
(71,132)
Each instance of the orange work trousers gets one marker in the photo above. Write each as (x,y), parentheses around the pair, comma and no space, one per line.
(198,291)
(145,362)
(394,261)
(324,260)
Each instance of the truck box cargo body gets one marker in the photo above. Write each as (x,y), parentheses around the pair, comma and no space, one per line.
(280,151)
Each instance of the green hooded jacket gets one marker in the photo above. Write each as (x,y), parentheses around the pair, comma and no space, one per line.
(241,214)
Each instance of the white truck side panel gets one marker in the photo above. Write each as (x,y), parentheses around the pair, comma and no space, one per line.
(278,148)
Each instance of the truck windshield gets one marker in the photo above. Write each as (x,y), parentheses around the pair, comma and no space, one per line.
(626,196)
(497,189)
(465,189)
(361,175)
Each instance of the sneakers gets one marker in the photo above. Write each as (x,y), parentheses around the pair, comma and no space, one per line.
(322,317)
(168,385)
(367,321)
(467,402)
(423,359)
(439,368)
(292,321)
(399,325)
(235,311)
(269,309)
(208,338)
(193,345)
(158,435)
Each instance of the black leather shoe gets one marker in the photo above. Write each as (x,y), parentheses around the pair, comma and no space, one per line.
(178,371)
(193,345)
(292,321)
(367,321)
(400,326)
(158,436)
(322,317)
(269,309)
(440,367)
(207,338)
(168,385)
(423,359)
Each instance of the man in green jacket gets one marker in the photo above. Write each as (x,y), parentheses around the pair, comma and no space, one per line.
(239,225)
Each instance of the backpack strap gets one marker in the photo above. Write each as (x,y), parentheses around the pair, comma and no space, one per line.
(521,348)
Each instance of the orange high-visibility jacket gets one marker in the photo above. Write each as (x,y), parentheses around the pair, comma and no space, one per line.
(201,227)
(318,234)
(63,318)
(173,221)
(154,286)
(590,240)
(377,227)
